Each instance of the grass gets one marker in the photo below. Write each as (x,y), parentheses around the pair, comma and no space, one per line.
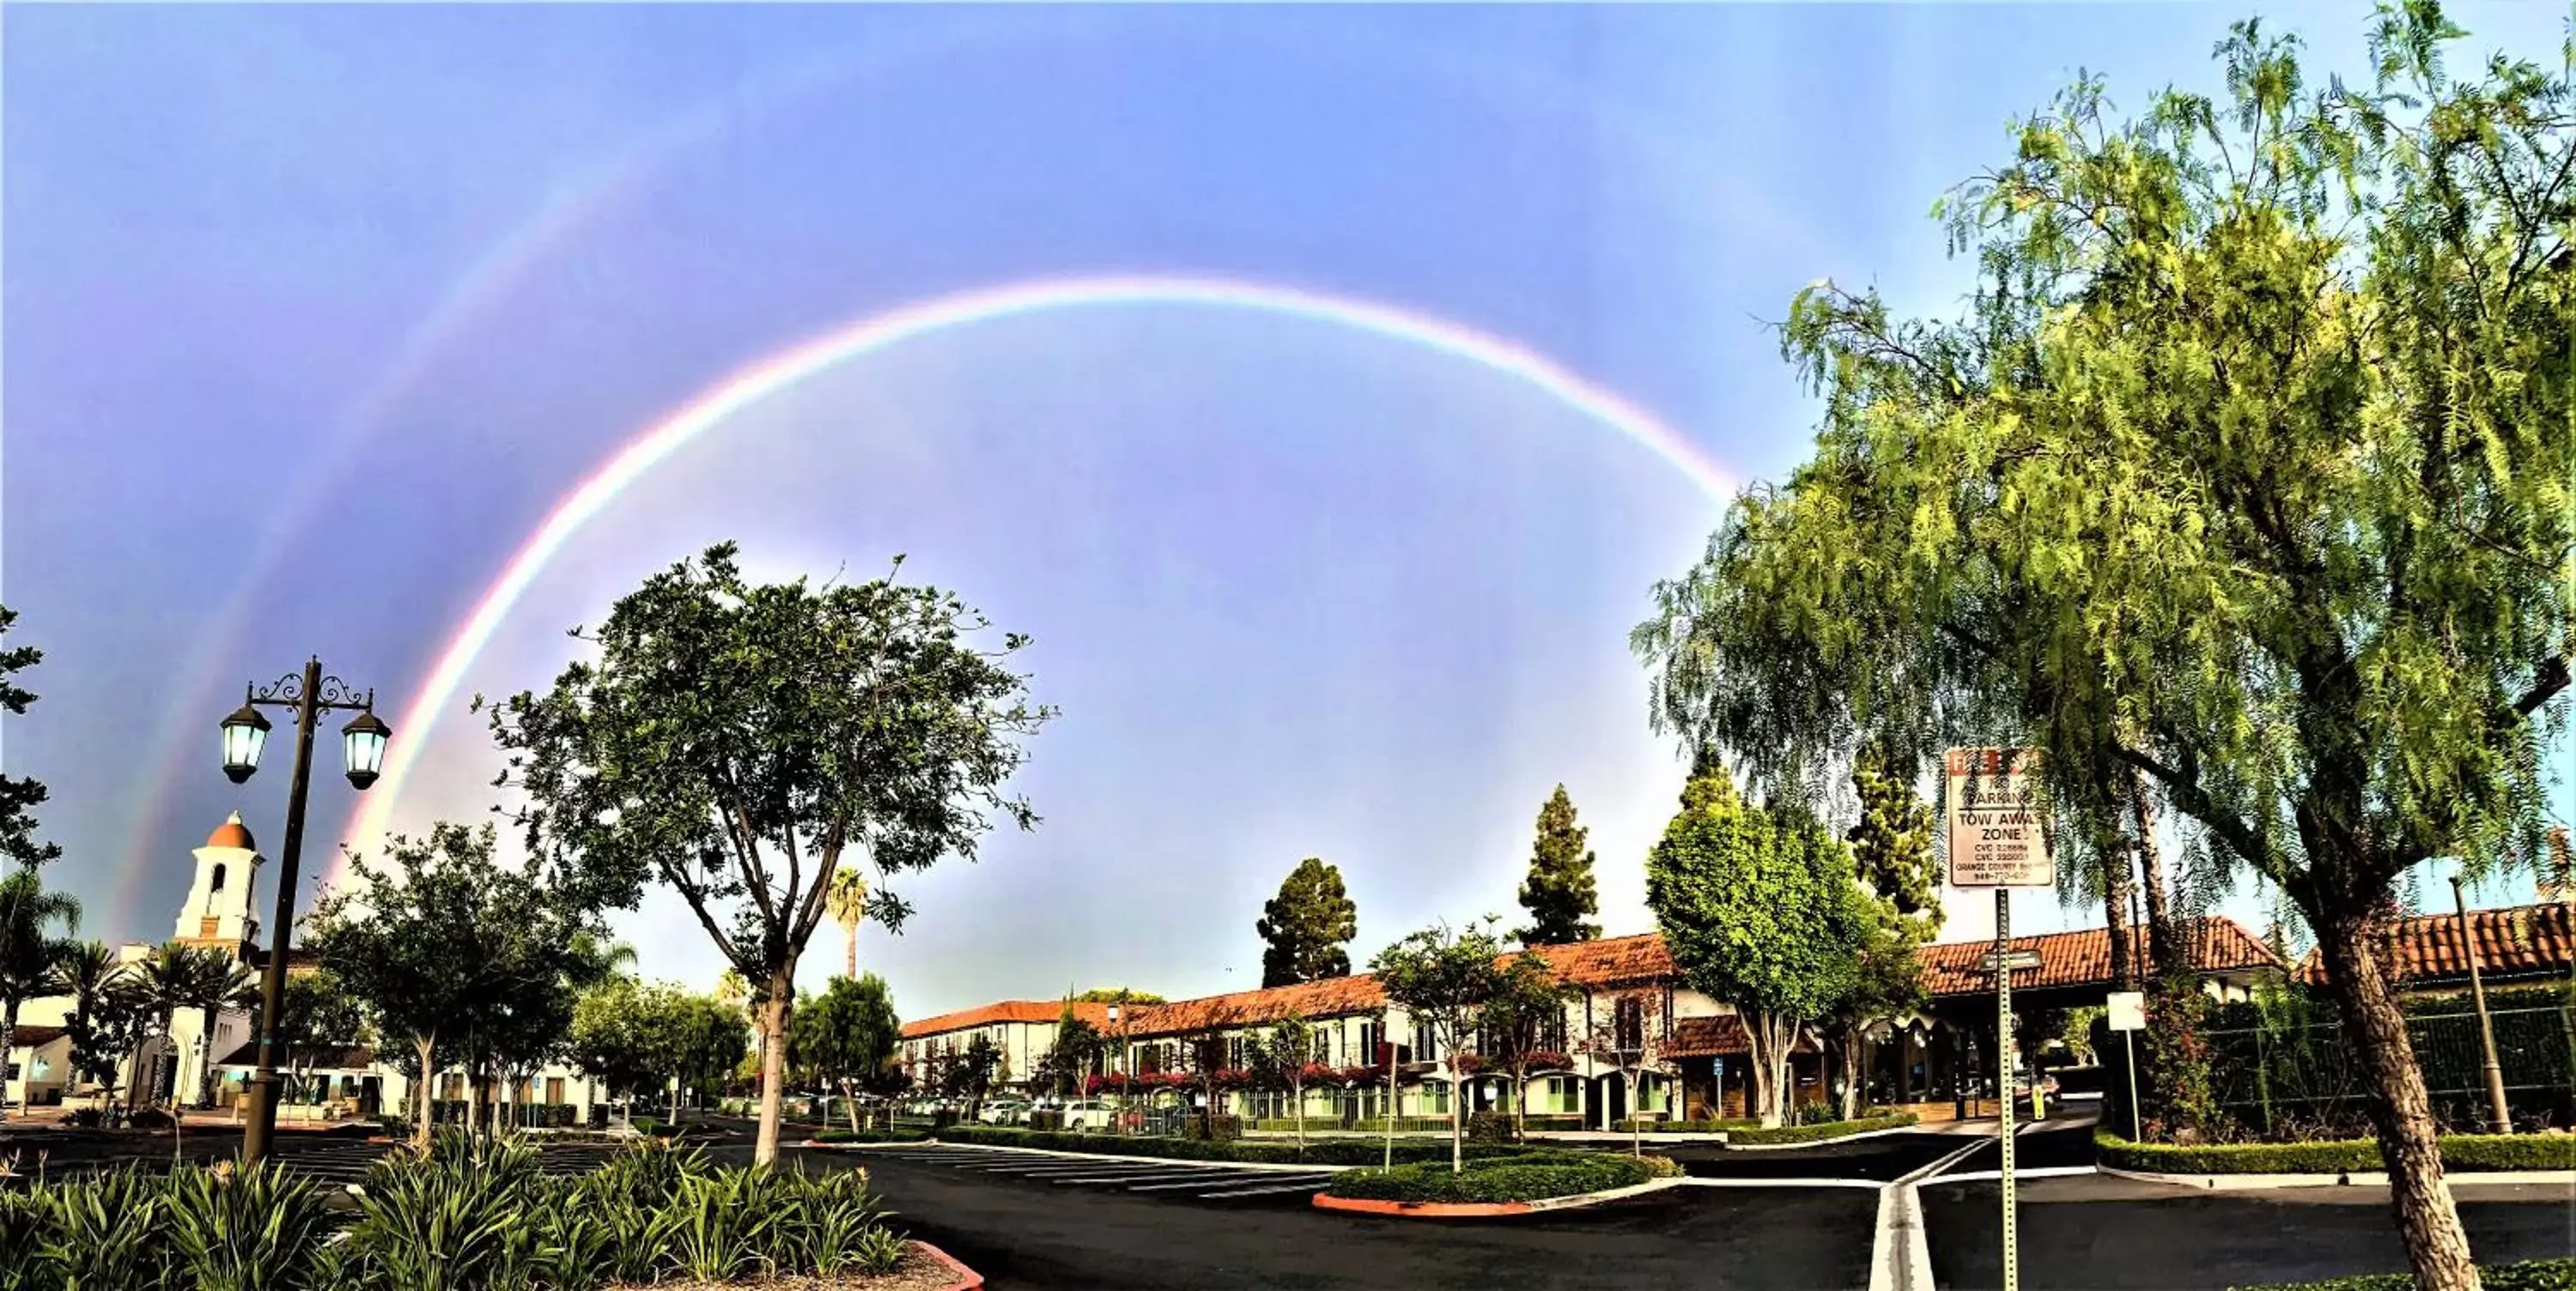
(1533,1176)
(2463,1152)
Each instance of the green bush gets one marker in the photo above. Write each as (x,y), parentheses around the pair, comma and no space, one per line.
(2529,1275)
(2335,1156)
(1316,1151)
(871,1136)
(1532,1176)
(1756,1136)
(1490,1127)
(1685,1127)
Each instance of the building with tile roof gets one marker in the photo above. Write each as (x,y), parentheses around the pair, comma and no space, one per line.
(2514,945)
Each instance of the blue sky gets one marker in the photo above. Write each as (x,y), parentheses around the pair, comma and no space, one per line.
(312,313)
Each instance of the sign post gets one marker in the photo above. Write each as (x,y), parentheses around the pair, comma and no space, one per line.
(1998,840)
(2128,1016)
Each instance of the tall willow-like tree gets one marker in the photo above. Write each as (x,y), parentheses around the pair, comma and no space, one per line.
(2247,480)
(740,743)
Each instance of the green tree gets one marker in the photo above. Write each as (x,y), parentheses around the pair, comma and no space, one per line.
(1116,995)
(1307,927)
(1078,1050)
(1286,1051)
(847,1035)
(1559,892)
(455,952)
(1892,856)
(220,978)
(319,1016)
(19,797)
(849,906)
(1524,1018)
(2245,479)
(29,946)
(626,1035)
(740,743)
(1442,981)
(713,1041)
(1760,909)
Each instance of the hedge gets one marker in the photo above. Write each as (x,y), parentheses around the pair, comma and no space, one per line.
(2462,1152)
(1530,1177)
(872,1136)
(2529,1275)
(1756,1136)
(1316,1152)
(1685,1127)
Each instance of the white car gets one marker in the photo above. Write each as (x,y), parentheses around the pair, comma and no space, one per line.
(1086,1114)
(1006,1112)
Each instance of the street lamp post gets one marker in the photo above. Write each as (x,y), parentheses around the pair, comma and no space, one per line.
(245,733)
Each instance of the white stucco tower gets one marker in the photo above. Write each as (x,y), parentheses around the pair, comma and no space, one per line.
(218,912)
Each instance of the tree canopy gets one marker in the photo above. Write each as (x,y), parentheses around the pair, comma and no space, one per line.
(19,796)
(1443,980)
(848,1034)
(1559,892)
(739,743)
(2246,480)
(1307,928)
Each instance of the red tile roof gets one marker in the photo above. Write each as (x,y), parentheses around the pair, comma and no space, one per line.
(1331,997)
(1613,961)
(30,1036)
(1008,1011)
(1721,1035)
(2083,958)
(2513,942)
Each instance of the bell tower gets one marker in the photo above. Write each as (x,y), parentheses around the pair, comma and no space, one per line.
(219,903)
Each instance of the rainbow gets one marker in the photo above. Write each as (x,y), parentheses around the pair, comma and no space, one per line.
(784,370)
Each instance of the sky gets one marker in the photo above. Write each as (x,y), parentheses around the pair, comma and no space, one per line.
(310,318)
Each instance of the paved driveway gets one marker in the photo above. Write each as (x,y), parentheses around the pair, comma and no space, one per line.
(1025,1232)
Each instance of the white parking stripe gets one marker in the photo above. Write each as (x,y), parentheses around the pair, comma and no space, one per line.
(1313,1186)
(1207,1182)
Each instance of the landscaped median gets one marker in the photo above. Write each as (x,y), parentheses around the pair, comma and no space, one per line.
(2529,1275)
(2465,1154)
(1352,1152)
(871,1136)
(1750,1134)
(1493,1186)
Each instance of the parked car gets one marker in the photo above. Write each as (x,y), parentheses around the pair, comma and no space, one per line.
(1086,1114)
(1005,1111)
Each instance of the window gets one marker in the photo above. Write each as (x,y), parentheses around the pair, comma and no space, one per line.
(1630,1024)
(1426,1043)
(218,884)
(1324,1045)
(1368,1055)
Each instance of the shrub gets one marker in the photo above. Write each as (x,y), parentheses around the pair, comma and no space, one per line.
(1316,1152)
(1686,1127)
(1490,1127)
(99,1232)
(252,1228)
(2335,1156)
(2529,1275)
(451,1219)
(1531,1176)
(1756,1136)
(871,1136)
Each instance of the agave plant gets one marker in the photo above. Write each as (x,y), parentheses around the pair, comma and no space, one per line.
(107,1233)
(254,1228)
(878,1250)
(26,1221)
(452,1219)
(576,1242)
(722,1224)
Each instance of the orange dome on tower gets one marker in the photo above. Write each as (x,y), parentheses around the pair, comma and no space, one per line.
(232,833)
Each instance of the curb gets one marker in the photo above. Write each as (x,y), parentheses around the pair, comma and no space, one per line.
(2354,1178)
(1733,1146)
(1487,1209)
(1286,1167)
(967,1279)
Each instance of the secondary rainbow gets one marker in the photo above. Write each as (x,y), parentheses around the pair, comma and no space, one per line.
(877,332)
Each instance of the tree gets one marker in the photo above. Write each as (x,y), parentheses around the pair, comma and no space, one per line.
(848,1035)
(1442,981)
(626,1035)
(1078,1051)
(168,980)
(28,915)
(1760,909)
(1119,995)
(712,1041)
(107,1028)
(739,744)
(451,950)
(220,978)
(1307,927)
(1891,849)
(2245,478)
(1524,1019)
(1285,1056)
(970,1073)
(849,903)
(319,1015)
(19,797)
(1559,892)
(1630,1036)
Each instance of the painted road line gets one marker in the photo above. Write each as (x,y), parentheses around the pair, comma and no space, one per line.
(1273,1190)
(1178,1185)
(1900,1256)
(1114,1176)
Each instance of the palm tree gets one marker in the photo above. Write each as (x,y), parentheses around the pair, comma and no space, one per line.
(162,985)
(849,904)
(28,913)
(85,971)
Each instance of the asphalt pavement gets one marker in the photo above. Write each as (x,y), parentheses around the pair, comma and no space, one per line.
(1028,1233)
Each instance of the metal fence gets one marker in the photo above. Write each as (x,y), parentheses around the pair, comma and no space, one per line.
(2294,1074)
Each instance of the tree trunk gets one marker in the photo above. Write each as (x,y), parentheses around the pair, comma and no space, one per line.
(850,953)
(2119,878)
(2402,1113)
(428,1046)
(2163,941)
(1297,1091)
(8,1044)
(1848,1054)
(773,1061)
(1457,1122)
(205,1055)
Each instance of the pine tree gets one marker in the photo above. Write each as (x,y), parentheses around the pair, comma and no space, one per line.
(1306,927)
(1559,892)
